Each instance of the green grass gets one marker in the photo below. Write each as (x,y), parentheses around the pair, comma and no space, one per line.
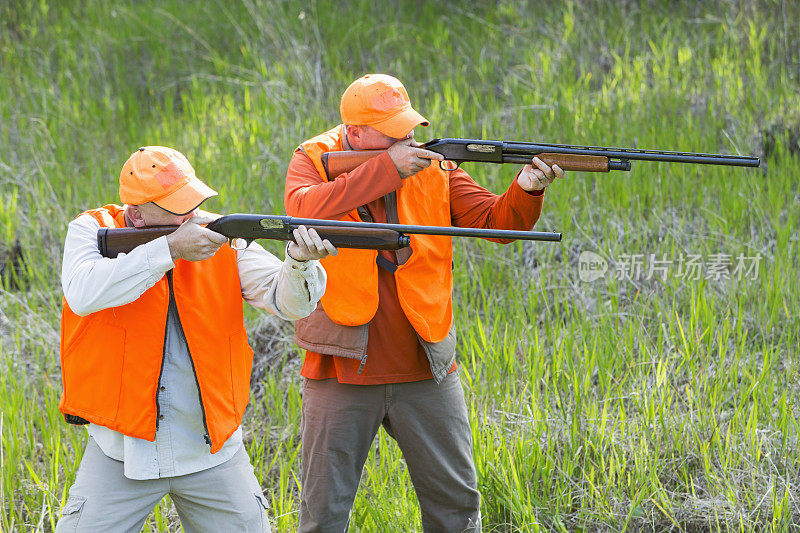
(644,404)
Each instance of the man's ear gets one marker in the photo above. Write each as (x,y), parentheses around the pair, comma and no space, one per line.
(354,133)
(355,137)
(134,214)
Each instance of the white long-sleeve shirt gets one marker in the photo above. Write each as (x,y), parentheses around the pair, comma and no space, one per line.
(289,289)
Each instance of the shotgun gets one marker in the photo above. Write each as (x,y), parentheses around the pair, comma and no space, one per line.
(568,157)
(342,234)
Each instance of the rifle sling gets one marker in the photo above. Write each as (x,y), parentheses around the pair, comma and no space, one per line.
(385,264)
(403,254)
(364,214)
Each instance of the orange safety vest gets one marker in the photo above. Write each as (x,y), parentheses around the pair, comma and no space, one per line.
(424,282)
(111,359)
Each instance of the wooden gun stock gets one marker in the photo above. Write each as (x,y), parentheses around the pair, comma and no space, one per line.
(115,241)
(337,163)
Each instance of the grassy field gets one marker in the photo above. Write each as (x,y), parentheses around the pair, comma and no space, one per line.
(662,396)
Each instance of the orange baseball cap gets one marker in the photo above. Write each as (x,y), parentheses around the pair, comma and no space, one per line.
(163,176)
(380,101)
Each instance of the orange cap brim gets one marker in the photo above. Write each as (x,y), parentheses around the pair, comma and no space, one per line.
(187,198)
(401,124)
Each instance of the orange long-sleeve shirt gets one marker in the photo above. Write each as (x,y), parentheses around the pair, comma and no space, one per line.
(394,354)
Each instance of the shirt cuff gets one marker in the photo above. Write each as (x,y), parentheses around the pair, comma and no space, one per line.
(293,265)
(159,258)
(529,193)
(515,185)
(390,170)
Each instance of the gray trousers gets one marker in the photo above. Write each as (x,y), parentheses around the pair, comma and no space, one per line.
(226,497)
(431,427)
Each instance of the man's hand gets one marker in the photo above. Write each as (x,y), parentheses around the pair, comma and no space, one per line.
(409,158)
(308,245)
(537,179)
(193,242)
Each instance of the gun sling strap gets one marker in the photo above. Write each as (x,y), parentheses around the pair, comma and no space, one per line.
(403,254)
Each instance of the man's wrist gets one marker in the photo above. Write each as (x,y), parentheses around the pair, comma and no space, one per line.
(538,192)
(173,248)
(159,255)
(390,170)
(290,256)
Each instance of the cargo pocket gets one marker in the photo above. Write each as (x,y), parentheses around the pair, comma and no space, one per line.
(92,372)
(441,355)
(71,514)
(262,509)
(318,333)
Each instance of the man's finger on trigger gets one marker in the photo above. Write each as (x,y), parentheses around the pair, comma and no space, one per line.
(558,170)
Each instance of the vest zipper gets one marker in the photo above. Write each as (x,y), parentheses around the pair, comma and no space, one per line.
(206,437)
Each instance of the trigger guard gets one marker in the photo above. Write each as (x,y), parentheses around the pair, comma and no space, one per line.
(448,168)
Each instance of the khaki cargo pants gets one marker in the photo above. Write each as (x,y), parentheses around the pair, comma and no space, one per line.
(431,427)
(226,497)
